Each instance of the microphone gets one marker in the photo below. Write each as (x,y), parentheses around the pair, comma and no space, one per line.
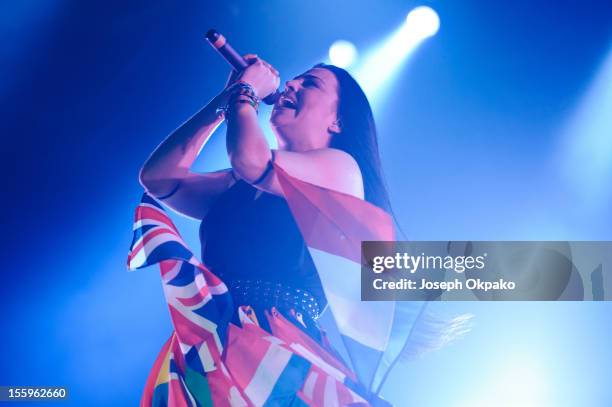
(233,58)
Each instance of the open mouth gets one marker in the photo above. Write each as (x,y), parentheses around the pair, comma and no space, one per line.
(287,103)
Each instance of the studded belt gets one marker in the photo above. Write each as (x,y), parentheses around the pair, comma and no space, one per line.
(269,294)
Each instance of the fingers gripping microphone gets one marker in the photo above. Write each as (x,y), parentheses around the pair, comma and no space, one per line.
(236,61)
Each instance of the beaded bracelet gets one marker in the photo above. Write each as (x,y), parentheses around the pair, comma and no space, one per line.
(227,109)
(236,91)
(240,98)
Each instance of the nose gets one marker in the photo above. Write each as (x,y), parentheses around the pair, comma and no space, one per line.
(291,85)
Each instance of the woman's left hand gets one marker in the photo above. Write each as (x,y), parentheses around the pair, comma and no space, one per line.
(262,76)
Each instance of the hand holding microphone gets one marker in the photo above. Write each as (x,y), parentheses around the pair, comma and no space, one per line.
(256,72)
(264,79)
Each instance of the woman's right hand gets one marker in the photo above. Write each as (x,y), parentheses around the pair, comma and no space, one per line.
(264,79)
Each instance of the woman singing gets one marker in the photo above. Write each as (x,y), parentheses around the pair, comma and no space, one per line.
(326,136)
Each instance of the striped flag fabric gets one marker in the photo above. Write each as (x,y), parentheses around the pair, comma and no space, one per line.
(333,225)
(188,370)
(209,361)
(286,367)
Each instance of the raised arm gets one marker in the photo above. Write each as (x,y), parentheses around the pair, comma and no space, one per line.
(250,157)
(166,174)
(250,154)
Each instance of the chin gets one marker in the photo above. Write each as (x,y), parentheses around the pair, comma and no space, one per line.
(280,118)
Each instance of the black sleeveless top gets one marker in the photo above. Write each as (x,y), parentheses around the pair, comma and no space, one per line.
(249,240)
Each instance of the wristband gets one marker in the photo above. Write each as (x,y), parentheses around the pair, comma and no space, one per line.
(240,92)
(267,170)
(172,192)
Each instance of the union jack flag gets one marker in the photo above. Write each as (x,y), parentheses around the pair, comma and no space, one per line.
(208,361)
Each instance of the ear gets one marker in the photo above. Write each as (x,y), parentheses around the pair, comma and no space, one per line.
(335,127)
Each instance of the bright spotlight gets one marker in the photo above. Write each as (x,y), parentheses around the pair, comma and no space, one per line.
(378,66)
(342,53)
(423,22)
(585,152)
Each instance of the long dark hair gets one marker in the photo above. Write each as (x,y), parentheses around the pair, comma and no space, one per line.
(358,136)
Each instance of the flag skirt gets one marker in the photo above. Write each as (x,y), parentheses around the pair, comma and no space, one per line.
(278,366)
(217,358)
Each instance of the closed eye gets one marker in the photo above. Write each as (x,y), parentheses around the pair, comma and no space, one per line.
(311,81)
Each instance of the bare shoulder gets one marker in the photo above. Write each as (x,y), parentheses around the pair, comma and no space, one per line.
(328,167)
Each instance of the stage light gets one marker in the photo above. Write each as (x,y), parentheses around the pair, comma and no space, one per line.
(342,53)
(377,68)
(585,150)
(423,22)
(522,383)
